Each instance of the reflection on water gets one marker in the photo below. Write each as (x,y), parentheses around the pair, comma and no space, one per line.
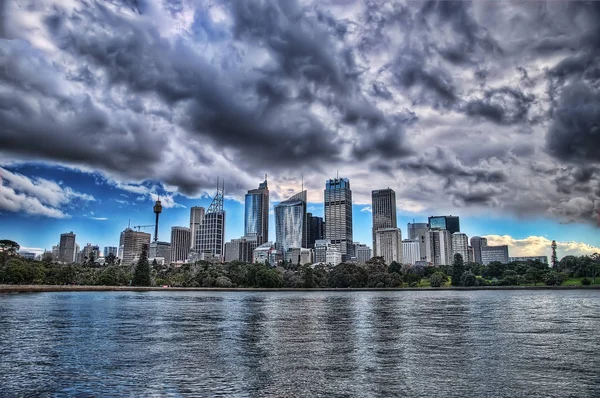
(451,344)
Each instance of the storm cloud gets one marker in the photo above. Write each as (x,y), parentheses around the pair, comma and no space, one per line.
(486,106)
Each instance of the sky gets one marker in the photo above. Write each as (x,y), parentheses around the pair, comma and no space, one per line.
(485,110)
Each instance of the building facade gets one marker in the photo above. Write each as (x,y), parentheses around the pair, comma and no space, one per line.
(388,242)
(477,243)
(196,217)
(90,250)
(160,250)
(256,213)
(439,247)
(180,243)
(383,210)
(66,248)
(111,250)
(417,232)
(241,249)
(362,252)
(542,259)
(131,244)
(291,228)
(411,252)
(338,215)
(460,245)
(490,254)
(210,237)
(266,253)
(451,223)
(316,229)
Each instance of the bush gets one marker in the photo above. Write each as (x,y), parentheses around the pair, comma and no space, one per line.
(586,282)
(468,279)
(437,279)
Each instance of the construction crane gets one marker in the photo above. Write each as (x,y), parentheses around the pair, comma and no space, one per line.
(139,227)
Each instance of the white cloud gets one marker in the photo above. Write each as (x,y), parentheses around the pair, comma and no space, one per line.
(540,246)
(36,196)
(99,218)
(366,209)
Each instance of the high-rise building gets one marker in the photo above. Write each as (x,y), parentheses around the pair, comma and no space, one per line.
(439,247)
(451,223)
(383,207)
(55,252)
(256,215)
(131,245)
(418,232)
(388,242)
(291,228)
(210,237)
(110,249)
(89,250)
(460,245)
(470,255)
(477,242)
(542,259)
(490,254)
(66,251)
(196,217)
(298,255)
(362,252)
(316,229)
(180,243)
(411,251)
(338,215)
(241,249)
(160,250)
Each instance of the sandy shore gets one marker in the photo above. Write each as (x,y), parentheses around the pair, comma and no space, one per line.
(73,288)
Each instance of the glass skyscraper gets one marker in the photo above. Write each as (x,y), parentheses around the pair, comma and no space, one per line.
(290,223)
(383,207)
(256,214)
(451,223)
(338,215)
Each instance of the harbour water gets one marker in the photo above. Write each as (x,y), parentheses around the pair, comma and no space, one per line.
(295,344)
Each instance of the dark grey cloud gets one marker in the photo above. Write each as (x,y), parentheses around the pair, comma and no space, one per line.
(503,105)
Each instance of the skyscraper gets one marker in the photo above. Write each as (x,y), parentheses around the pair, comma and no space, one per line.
(383,207)
(159,249)
(460,245)
(477,242)
(291,228)
(256,215)
(110,249)
(210,237)
(439,247)
(316,229)
(338,215)
(388,243)
(131,244)
(418,232)
(66,250)
(196,217)
(451,223)
(411,252)
(180,243)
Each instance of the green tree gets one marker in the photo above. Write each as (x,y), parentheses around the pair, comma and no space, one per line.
(8,248)
(111,259)
(533,275)
(468,279)
(458,268)
(437,279)
(141,275)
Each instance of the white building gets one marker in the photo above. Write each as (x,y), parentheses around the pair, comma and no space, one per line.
(363,253)
(411,251)
(460,245)
(333,256)
(180,243)
(389,244)
(266,252)
(439,247)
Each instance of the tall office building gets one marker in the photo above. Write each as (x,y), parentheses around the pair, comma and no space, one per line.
(477,243)
(338,215)
(241,249)
(210,237)
(388,242)
(110,250)
(180,243)
(160,250)
(460,245)
(316,229)
(196,217)
(451,223)
(55,252)
(383,207)
(131,244)
(66,248)
(439,247)
(490,254)
(418,232)
(291,230)
(256,215)
(88,250)
(411,251)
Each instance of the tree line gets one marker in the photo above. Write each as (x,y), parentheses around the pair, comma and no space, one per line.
(374,274)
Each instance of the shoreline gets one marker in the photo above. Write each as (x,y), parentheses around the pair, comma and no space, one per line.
(80,288)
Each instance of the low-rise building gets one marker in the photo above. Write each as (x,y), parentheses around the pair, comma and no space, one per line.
(490,254)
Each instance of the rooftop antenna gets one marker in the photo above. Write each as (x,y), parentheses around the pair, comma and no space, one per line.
(129,223)
(302,177)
